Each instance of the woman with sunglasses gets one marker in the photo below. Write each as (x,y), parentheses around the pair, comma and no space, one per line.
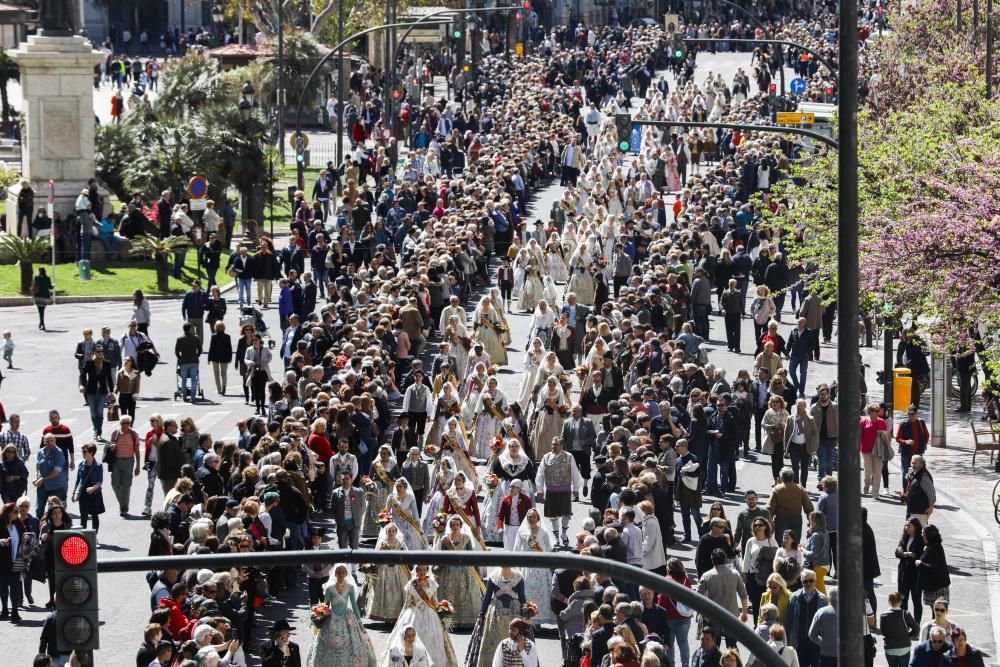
(758,561)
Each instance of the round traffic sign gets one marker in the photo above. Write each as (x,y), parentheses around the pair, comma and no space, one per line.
(197,187)
(299,141)
(797,86)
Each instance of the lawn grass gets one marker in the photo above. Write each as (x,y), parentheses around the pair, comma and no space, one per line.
(108,278)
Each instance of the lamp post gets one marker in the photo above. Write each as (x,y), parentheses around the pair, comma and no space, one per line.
(218,16)
(246,106)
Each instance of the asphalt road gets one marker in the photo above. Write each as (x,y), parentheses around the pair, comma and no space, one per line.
(45,377)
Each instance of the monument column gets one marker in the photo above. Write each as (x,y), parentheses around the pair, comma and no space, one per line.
(57,83)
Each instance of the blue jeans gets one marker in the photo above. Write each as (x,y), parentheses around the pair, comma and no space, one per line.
(679,633)
(905,455)
(712,480)
(42,496)
(687,515)
(827,448)
(243,290)
(796,364)
(189,372)
(179,258)
(808,653)
(96,403)
(294,542)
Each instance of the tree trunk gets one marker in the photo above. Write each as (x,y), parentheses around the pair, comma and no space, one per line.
(162,273)
(27,272)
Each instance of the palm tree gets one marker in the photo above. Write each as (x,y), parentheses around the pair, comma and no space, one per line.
(25,251)
(160,250)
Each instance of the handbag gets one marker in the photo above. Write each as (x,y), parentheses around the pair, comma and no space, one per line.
(113,413)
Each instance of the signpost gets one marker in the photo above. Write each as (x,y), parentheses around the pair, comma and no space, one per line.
(794,118)
(797,86)
(50,209)
(197,191)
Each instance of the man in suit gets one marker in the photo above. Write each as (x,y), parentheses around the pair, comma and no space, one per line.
(95,385)
(580,437)
(164,210)
(413,325)
(290,338)
(577,314)
(416,472)
(812,309)
(724,586)
(292,257)
(759,396)
(348,508)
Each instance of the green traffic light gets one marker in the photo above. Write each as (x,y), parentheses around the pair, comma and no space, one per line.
(300,158)
(624,146)
(457,34)
(678,54)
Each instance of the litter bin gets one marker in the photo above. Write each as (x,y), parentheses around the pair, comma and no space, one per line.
(902,384)
(84,267)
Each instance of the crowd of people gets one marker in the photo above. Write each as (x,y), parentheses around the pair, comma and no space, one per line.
(379,418)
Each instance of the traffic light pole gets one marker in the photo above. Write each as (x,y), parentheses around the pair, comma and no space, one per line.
(747,127)
(724,618)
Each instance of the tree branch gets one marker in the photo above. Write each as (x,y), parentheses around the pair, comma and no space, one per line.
(321,18)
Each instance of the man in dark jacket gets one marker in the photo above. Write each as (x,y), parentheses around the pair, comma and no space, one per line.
(164,210)
(169,457)
(209,476)
(710,541)
(776,279)
(96,383)
(599,639)
(614,549)
(869,559)
(188,352)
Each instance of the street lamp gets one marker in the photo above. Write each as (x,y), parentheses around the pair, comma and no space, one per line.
(248,93)
(246,105)
(218,16)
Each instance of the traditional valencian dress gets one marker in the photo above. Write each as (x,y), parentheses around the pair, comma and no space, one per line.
(537,581)
(385,586)
(404,514)
(341,640)
(507,469)
(383,475)
(453,444)
(420,611)
(462,585)
(502,603)
(488,329)
(489,413)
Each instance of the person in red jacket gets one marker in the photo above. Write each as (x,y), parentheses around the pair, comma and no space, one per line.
(512,510)
(175,603)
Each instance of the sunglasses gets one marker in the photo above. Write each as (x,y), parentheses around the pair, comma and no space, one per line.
(940,610)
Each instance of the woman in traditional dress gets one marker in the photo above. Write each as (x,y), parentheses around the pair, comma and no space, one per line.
(407,650)
(474,386)
(581,282)
(341,640)
(542,322)
(446,407)
(520,263)
(551,409)
(402,507)
(533,536)
(444,475)
(420,613)
(457,337)
(510,464)
(563,342)
(462,585)
(502,603)
(512,426)
(453,445)
(568,240)
(532,360)
(550,293)
(385,586)
(487,329)
(531,290)
(496,302)
(550,368)
(489,412)
(384,471)
(461,499)
(555,261)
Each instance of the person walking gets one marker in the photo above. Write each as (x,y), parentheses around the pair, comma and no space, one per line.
(825,414)
(193,309)
(557,479)
(802,608)
(870,426)
(41,293)
(932,568)
(800,350)
(96,383)
(731,304)
(787,504)
(801,438)
(188,352)
(912,437)
(909,549)
(125,464)
(723,586)
(52,478)
(87,491)
(220,354)
(921,494)
(897,626)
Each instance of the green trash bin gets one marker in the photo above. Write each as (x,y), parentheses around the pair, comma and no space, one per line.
(84,267)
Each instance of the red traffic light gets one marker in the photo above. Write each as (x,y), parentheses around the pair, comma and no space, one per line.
(395,95)
(517,16)
(527,4)
(74,550)
(829,91)
(772,88)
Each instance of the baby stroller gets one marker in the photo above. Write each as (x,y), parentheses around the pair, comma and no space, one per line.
(179,391)
(251,315)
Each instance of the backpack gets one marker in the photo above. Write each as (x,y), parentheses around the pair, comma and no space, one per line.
(765,564)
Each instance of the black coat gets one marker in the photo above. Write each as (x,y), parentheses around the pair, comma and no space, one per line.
(271,656)
(96,382)
(869,556)
(906,571)
(932,574)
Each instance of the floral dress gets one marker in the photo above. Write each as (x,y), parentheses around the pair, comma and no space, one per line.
(376,494)
(488,330)
(555,263)
(537,581)
(419,610)
(490,410)
(342,640)
(501,604)
(460,584)
(404,514)
(548,420)
(385,588)
(581,281)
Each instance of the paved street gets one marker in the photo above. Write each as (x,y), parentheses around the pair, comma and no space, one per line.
(45,378)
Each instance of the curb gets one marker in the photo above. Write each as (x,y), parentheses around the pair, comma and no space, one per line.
(10,301)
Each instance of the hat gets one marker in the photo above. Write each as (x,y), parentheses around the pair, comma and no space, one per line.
(651,637)
(270,497)
(279,625)
(232,504)
(600,460)
(650,462)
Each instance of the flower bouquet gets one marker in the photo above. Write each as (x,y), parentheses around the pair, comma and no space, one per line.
(319,615)
(563,409)
(445,611)
(497,445)
(384,518)
(582,372)
(432,450)
(368,484)
(529,609)
(492,482)
(367,569)
(440,523)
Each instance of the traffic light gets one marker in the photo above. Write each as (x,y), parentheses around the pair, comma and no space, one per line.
(678,49)
(456,31)
(526,4)
(771,92)
(623,126)
(76,617)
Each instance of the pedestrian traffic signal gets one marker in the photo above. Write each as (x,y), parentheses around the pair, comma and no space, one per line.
(457,32)
(771,92)
(623,126)
(527,4)
(76,616)
(678,45)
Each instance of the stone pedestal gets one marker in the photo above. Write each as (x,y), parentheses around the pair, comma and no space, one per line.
(57,83)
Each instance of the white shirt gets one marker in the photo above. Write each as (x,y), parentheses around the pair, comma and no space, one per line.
(529,657)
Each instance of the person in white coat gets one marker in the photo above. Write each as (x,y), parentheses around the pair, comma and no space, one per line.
(654,556)
(258,363)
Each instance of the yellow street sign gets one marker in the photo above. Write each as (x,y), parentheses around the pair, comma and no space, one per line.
(794,118)
(519,48)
